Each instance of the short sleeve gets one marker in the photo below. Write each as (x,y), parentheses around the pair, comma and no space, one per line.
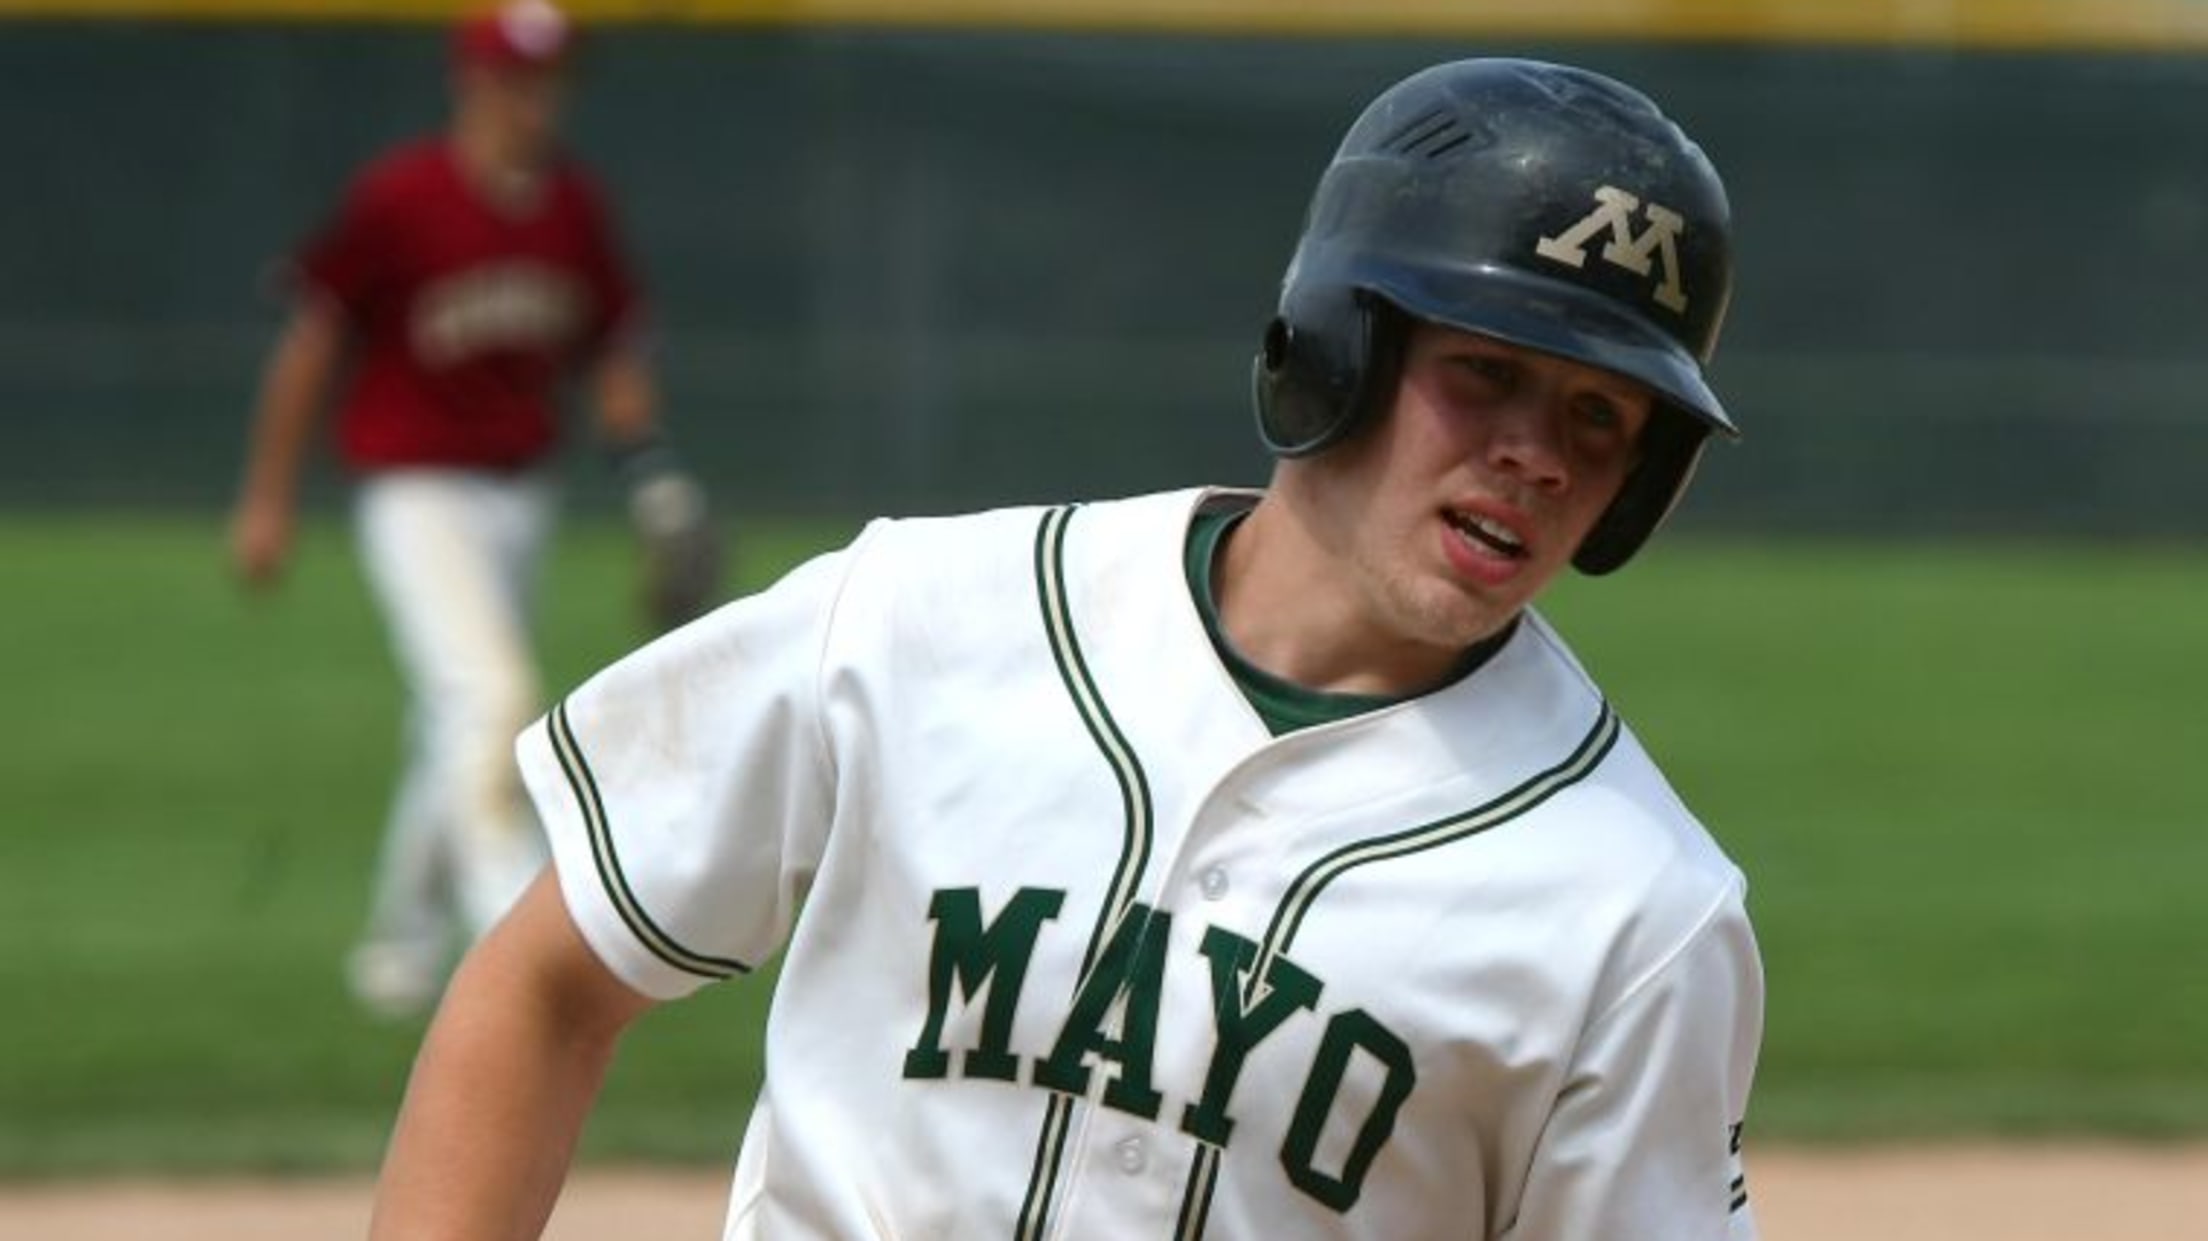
(348,259)
(1644,1140)
(687,789)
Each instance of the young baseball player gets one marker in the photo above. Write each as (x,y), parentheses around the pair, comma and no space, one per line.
(460,282)
(1208,864)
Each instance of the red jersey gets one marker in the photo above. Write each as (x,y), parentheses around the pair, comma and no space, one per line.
(467,315)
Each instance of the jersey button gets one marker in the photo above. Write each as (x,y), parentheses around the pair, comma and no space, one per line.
(1213,883)
(1132,1157)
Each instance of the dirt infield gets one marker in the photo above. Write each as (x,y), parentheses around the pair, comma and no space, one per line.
(2050,1193)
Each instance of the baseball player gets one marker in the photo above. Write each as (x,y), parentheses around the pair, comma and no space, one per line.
(1207,864)
(463,277)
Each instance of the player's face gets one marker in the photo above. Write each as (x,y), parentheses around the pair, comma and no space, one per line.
(1491,467)
(524,103)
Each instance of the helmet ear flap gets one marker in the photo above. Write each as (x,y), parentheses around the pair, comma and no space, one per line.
(1296,405)
(1313,388)
(1671,446)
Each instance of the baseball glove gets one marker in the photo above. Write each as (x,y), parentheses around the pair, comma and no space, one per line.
(679,548)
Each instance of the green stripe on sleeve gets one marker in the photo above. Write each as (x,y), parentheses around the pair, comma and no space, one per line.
(610,874)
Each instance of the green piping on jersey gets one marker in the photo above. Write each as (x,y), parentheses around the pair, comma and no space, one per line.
(1134,795)
(1134,787)
(610,874)
(1203,1177)
(1042,1181)
(1303,893)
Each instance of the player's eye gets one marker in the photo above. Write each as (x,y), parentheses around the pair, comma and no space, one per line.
(1605,424)
(1490,374)
(1598,413)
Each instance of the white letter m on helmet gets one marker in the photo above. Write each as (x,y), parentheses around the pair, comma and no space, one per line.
(1614,210)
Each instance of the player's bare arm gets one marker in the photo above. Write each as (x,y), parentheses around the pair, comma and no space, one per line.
(293,388)
(509,1070)
(626,393)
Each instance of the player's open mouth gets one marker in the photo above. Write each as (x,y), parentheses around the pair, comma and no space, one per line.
(1488,533)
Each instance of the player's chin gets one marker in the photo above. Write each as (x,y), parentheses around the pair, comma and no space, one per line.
(1450,615)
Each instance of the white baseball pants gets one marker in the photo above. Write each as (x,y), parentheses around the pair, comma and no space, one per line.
(452,557)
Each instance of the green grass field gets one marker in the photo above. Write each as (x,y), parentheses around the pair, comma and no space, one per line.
(1967,785)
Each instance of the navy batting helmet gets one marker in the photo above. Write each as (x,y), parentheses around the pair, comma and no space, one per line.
(1539,204)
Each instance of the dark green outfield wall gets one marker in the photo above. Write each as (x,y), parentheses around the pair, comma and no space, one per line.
(901,270)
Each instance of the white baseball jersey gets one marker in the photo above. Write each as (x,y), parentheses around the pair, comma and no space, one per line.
(1075,947)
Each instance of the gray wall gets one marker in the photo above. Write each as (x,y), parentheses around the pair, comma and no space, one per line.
(899,270)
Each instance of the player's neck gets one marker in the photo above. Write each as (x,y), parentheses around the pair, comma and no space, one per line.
(1276,608)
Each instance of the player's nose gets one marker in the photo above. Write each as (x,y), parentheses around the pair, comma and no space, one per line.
(1525,440)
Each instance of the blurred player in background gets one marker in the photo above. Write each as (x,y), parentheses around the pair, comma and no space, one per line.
(464,278)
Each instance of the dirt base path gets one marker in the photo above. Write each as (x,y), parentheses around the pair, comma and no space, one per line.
(2025,1193)
(2032,1193)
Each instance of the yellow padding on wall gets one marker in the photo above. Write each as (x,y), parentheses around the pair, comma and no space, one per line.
(2137,24)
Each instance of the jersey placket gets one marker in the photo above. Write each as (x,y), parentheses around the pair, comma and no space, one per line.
(1134,1153)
